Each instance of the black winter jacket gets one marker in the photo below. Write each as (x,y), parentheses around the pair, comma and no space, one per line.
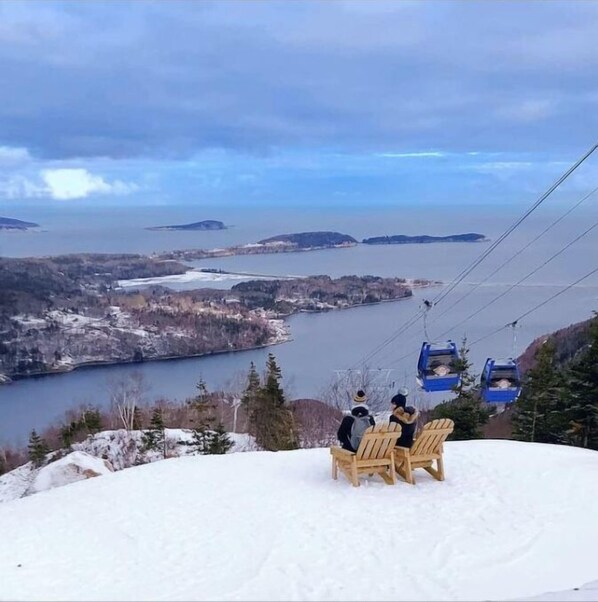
(344,430)
(407,418)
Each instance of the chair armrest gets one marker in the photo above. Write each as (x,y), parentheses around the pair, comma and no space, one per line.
(402,451)
(340,452)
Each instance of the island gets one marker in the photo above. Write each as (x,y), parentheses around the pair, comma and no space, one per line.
(9,223)
(311,240)
(207,224)
(63,312)
(402,239)
(282,243)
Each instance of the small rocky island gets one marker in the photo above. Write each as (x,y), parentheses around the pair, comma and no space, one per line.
(207,224)
(282,243)
(402,239)
(311,240)
(9,223)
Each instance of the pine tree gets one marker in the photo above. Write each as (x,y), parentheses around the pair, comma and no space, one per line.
(218,441)
(38,449)
(271,420)
(253,386)
(466,409)
(153,439)
(202,435)
(539,412)
(93,420)
(137,419)
(581,410)
(68,432)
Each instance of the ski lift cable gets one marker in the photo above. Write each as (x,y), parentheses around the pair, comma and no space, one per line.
(408,324)
(515,255)
(444,293)
(521,280)
(529,275)
(536,307)
(458,279)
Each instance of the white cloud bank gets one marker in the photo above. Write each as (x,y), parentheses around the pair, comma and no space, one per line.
(64,184)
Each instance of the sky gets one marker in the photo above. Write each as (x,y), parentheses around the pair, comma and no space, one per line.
(295,101)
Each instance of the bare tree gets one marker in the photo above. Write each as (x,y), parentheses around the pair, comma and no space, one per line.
(376,382)
(126,397)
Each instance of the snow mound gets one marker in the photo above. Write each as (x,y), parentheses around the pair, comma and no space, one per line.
(512,520)
(74,467)
(586,593)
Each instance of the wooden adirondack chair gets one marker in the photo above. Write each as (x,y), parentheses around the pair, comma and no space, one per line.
(426,449)
(375,455)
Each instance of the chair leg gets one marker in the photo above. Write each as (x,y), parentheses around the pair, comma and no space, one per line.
(408,471)
(440,465)
(334,469)
(354,477)
(393,473)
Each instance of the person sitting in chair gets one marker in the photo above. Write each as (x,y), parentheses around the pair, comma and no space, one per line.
(353,426)
(407,417)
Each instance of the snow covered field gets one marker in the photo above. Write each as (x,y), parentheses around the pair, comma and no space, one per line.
(512,520)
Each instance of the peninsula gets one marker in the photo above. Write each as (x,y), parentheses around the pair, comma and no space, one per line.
(208,224)
(9,223)
(63,312)
(402,239)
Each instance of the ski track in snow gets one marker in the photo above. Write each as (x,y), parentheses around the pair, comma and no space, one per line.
(512,520)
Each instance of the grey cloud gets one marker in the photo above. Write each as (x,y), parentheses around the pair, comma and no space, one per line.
(170,79)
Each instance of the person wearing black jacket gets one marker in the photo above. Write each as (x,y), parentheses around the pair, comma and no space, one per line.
(407,418)
(359,412)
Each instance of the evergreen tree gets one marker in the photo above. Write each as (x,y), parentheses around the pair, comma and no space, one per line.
(253,387)
(38,449)
(202,435)
(68,432)
(218,441)
(466,409)
(271,420)
(581,411)
(153,439)
(539,412)
(137,419)
(92,419)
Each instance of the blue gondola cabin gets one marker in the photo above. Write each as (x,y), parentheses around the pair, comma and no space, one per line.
(501,381)
(437,367)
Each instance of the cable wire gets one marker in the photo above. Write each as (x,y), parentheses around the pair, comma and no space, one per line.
(536,307)
(524,248)
(464,273)
(521,280)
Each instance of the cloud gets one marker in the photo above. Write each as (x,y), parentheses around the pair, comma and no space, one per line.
(10,155)
(415,155)
(63,184)
(78,183)
(176,79)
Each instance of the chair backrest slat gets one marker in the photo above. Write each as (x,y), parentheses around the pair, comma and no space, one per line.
(432,436)
(378,441)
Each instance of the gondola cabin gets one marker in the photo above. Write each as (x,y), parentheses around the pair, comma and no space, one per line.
(501,381)
(437,367)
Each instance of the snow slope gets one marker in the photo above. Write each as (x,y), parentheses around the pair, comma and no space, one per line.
(512,520)
(121,448)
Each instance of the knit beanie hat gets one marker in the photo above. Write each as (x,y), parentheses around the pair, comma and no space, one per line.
(360,397)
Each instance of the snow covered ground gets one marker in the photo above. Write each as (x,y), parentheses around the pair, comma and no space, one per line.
(512,521)
(194,277)
(121,449)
